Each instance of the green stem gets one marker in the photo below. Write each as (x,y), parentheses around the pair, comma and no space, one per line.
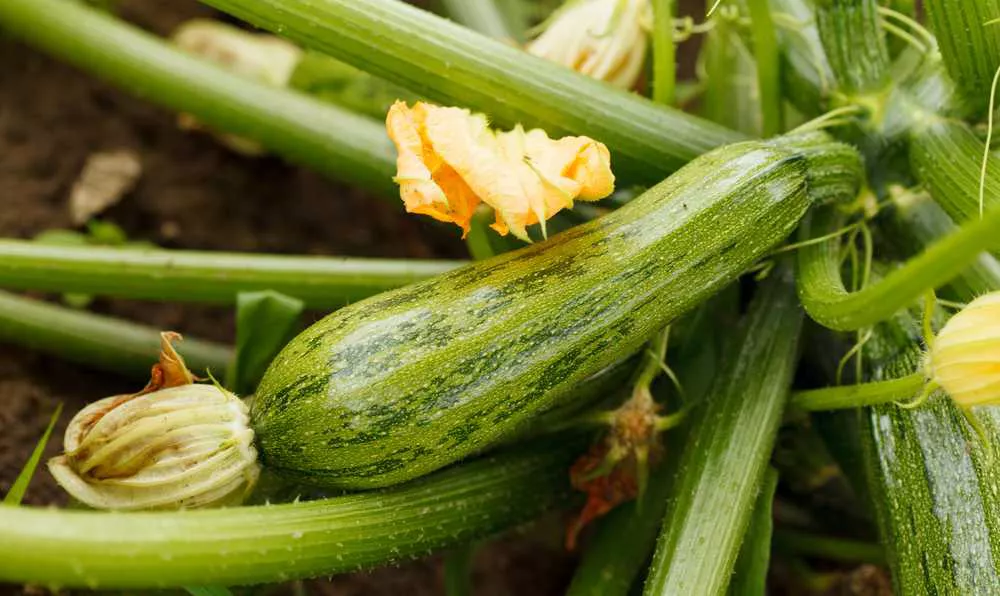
(856,396)
(971,49)
(276,543)
(806,74)
(299,128)
(768,56)
(825,547)
(821,287)
(725,458)
(453,65)
(947,157)
(99,341)
(852,36)
(664,53)
(458,571)
(214,277)
(483,16)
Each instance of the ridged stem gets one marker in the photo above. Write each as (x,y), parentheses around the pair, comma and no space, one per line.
(213,277)
(483,16)
(857,396)
(826,299)
(276,543)
(806,74)
(453,65)
(768,58)
(725,458)
(99,341)
(302,129)
(664,53)
(852,36)
(971,49)
(947,156)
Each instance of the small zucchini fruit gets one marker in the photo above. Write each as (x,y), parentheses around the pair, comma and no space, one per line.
(403,383)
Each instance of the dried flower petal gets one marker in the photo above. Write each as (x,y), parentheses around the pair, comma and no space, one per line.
(603,39)
(449,161)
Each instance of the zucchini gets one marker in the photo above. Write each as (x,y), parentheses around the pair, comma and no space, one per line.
(408,381)
(933,485)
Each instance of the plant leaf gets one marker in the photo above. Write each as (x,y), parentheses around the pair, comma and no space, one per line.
(750,575)
(265,321)
(20,486)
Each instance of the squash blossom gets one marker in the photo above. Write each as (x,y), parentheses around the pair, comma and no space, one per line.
(964,357)
(175,444)
(603,39)
(258,56)
(449,161)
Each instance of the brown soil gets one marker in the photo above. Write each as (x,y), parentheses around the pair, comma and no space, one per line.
(192,194)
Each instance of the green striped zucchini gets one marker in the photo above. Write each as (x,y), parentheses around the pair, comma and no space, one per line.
(408,381)
(933,486)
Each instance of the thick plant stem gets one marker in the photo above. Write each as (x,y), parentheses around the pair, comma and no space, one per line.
(826,299)
(99,341)
(725,458)
(664,53)
(807,77)
(970,47)
(213,277)
(453,65)
(483,16)
(852,36)
(304,130)
(276,543)
(768,58)
(947,157)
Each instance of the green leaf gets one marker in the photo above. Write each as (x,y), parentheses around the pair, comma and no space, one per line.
(750,576)
(20,486)
(265,321)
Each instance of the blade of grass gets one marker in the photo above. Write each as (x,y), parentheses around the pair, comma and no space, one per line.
(453,65)
(103,342)
(276,543)
(265,322)
(750,575)
(213,277)
(724,461)
(302,129)
(17,490)
(664,53)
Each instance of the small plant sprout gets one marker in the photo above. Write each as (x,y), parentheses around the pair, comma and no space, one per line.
(603,39)
(450,161)
(175,444)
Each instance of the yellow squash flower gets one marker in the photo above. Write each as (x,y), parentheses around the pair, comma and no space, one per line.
(450,160)
(965,355)
(603,39)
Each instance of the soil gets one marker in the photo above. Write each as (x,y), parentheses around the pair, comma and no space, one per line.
(192,194)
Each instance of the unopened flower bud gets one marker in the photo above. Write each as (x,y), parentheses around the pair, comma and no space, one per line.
(603,39)
(965,355)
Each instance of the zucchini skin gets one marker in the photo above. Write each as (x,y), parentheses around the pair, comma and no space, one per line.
(933,486)
(406,382)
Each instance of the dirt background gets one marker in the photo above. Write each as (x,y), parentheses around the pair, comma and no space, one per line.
(194,194)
